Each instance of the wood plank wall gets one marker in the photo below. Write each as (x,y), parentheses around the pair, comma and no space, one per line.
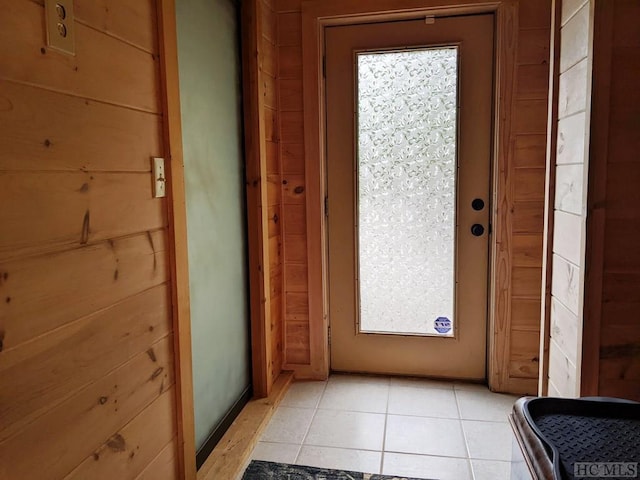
(86,356)
(277,188)
(291,127)
(611,349)
(520,208)
(522,204)
(568,263)
(264,190)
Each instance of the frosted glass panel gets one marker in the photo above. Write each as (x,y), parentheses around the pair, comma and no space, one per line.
(407,106)
(210,102)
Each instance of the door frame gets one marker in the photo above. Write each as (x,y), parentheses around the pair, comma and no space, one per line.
(177,231)
(411,353)
(316,16)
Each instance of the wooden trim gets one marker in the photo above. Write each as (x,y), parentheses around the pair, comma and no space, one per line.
(550,184)
(230,456)
(501,249)
(257,204)
(603,26)
(178,259)
(316,14)
(314,181)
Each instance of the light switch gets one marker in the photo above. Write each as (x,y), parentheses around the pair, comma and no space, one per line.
(60,25)
(160,180)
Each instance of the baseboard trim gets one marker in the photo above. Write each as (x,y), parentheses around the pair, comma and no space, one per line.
(231,454)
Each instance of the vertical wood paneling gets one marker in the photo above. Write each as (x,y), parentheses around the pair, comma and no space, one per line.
(86,330)
(270,61)
(264,190)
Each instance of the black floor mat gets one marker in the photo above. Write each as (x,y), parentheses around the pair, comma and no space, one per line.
(258,470)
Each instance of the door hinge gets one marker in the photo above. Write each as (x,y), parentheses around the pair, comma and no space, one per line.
(326,206)
(324,66)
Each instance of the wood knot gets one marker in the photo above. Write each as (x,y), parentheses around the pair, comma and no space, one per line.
(84,236)
(43,50)
(116,443)
(275,218)
(156,373)
(103,400)
(47,142)
(152,354)
(298,190)
(285,182)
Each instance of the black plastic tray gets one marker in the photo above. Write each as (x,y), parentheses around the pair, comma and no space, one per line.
(594,429)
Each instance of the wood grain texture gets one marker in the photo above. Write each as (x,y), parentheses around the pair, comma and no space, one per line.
(85,421)
(164,466)
(530,150)
(86,322)
(562,373)
(563,278)
(132,22)
(524,360)
(269,59)
(45,130)
(44,295)
(575,39)
(292,156)
(572,139)
(74,209)
(572,90)
(78,353)
(134,446)
(526,314)
(178,256)
(552,150)
(257,197)
(104,68)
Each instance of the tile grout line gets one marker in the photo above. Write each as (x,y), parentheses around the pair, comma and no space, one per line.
(464,435)
(315,411)
(384,430)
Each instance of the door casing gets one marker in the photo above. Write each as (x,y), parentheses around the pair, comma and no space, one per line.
(412,354)
(316,15)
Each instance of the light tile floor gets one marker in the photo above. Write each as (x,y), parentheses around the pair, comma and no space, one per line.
(394,426)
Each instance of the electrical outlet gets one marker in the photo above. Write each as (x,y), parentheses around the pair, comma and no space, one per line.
(60,25)
(159,178)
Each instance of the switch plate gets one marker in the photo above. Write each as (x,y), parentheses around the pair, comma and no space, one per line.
(60,25)
(159,178)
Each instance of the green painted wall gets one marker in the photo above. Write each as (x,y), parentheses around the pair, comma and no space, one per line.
(210,89)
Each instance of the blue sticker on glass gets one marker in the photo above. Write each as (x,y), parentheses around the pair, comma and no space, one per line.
(442,325)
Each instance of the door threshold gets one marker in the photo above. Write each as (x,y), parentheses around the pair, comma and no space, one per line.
(232,453)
